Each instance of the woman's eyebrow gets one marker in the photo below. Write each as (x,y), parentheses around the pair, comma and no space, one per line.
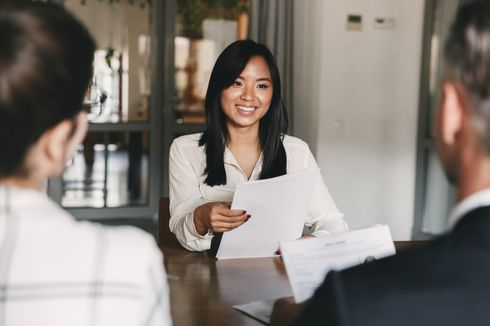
(258,79)
(265,79)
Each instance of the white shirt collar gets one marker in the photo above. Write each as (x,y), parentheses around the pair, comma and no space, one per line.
(228,158)
(473,201)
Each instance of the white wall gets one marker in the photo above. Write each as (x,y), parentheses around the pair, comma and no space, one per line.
(356,104)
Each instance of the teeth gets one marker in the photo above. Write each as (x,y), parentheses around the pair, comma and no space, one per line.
(246,108)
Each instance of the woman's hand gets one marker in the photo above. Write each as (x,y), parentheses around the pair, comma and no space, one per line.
(218,217)
(304,236)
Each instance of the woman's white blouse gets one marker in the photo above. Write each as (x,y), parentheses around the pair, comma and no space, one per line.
(188,190)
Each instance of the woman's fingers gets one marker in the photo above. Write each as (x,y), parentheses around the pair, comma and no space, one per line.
(221,223)
(218,217)
(235,212)
(223,226)
(221,218)
(223,209)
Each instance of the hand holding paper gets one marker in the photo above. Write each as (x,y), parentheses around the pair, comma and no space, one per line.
(218,217)
(278,207)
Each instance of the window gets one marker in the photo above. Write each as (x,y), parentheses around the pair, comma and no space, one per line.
(434,195)
(116,172)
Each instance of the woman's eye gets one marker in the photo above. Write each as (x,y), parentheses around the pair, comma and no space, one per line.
(237,83)
(263,86)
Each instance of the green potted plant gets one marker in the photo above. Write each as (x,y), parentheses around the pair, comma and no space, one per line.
(141,3)
(191,14)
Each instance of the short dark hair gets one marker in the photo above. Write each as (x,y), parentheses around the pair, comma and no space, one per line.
(272,127)
(45,66)
(467,56)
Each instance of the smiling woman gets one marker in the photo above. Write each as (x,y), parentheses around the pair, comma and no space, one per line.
(248,98)
(245,139)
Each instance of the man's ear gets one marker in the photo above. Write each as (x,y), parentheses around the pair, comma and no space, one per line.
(453,112)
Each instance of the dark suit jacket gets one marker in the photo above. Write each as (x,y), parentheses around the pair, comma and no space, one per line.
(444,283)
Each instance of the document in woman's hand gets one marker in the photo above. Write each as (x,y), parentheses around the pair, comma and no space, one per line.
(278,208)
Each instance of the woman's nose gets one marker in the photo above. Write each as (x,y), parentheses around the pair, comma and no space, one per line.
(248,93)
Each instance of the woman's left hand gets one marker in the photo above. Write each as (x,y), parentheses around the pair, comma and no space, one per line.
(304,236)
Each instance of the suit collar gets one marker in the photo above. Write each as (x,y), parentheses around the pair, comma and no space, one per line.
(475,224)
(468,204)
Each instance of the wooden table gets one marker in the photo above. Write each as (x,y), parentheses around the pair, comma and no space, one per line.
(203,290)
(206,289)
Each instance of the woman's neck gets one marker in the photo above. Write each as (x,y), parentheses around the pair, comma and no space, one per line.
(243,137)
(245,146)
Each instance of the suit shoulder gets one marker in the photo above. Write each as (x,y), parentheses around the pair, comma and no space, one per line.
(392,274)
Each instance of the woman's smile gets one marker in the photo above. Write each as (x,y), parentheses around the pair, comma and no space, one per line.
(246,109)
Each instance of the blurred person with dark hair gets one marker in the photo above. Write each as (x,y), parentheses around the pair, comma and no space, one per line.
(53,269)
(447,281)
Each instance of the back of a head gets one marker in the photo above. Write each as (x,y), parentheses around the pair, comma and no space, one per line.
(467,56)
(45,67)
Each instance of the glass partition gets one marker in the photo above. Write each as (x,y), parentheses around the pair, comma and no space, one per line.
(110,169)
(116,173)
(121,82)
(204,29)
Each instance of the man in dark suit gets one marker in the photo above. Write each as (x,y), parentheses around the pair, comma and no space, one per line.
(448,281)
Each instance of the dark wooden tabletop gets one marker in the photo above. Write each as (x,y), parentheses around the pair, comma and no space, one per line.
(203,290)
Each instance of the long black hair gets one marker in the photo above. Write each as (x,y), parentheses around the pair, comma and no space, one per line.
(272,126)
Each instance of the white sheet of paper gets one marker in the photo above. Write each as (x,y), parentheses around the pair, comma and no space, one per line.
(260,310)
(308,261)
(278,209)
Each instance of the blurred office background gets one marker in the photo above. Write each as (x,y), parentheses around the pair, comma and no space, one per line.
(360,81)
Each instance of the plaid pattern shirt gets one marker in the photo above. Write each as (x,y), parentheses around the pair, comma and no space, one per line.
(57,271)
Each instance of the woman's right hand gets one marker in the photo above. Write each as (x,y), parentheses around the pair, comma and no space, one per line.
(218,217)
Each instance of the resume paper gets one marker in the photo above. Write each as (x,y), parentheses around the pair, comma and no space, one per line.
(309,260)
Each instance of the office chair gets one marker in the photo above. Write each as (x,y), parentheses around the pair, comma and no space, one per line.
(165,236)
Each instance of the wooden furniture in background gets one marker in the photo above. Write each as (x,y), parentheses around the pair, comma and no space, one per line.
(165,236)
